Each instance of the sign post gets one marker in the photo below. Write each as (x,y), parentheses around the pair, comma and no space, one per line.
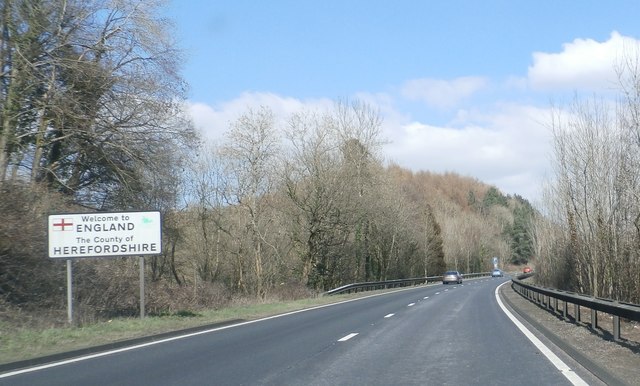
(141,287)
(104,235)
(69,293)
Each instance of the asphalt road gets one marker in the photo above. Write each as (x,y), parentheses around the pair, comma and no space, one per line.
(435,335)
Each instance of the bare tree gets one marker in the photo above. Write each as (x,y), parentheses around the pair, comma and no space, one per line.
(91,94)
(313,187)
(590,150)
(251,154)
(207,222)
(325,175)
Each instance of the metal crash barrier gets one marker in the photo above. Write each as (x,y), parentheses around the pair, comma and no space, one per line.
(558,301)
(377,285)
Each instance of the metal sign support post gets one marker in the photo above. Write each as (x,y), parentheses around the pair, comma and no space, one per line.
(141,287)
(69,292)
(101,234)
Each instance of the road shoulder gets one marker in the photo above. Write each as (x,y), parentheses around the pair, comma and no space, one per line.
(612,363)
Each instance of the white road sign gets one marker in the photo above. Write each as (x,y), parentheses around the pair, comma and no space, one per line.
(105,234)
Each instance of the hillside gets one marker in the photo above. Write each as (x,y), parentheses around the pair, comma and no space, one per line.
(419,224)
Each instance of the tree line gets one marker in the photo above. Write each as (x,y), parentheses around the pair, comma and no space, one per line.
(588,240)
(276,211)
(281,207)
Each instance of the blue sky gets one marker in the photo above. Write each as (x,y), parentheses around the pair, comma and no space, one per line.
(463,86)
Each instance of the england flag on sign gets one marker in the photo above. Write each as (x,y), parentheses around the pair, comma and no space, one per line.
(62,224)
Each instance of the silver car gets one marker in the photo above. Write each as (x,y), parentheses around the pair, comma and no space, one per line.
(451,277)
(496,273)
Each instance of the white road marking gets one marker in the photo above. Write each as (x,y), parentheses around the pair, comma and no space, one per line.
(446,290)
(346,338)
(437,293)
(426,297)
(178,337)
(389,315)
(411,304)
(553,358)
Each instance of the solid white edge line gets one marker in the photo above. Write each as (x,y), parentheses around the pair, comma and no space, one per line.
(105,353)
(553,358)
(346,338)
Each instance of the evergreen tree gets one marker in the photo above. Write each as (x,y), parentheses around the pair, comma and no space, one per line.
(520,237)
(494,197)
(434,245)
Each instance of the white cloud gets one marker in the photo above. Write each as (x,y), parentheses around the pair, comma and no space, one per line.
(385,104)
(214,121)
(582,64)
(507,147)
(442,94)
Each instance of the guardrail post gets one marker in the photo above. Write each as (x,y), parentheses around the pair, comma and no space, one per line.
(565,310)
(594,319)
(576,312)
(549,305)
(616,328)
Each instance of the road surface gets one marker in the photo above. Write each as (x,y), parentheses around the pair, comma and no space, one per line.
(436,334)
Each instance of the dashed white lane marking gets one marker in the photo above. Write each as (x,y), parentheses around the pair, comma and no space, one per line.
(553,358)
(437,293)
(179,337)
(411,304)
(346,338)
(426,297)
(389,315)
(446,290)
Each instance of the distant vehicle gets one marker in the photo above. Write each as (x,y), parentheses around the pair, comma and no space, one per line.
(527,270)
(496,273)
(451,277)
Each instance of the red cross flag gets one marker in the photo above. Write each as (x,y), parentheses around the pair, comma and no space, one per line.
(62,224)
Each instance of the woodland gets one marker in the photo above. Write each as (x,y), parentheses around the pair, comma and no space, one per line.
(92,120)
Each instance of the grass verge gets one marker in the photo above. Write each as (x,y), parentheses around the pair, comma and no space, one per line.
(19,343)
